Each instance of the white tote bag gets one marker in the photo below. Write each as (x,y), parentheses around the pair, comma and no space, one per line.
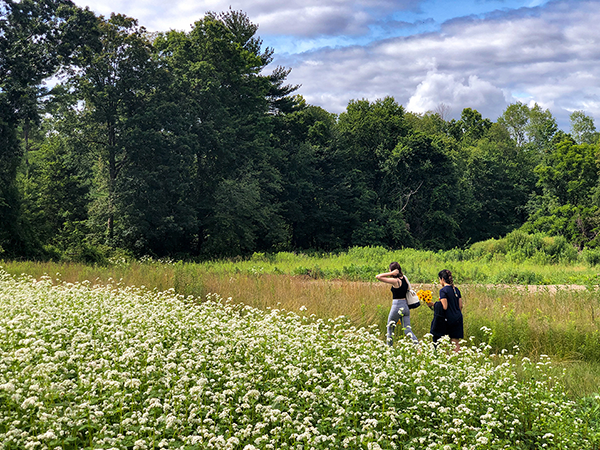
(411,297)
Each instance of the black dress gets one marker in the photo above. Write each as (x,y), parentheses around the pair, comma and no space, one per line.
(447,321)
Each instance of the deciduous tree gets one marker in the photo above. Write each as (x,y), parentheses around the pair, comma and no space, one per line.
(37,38)
(583,128)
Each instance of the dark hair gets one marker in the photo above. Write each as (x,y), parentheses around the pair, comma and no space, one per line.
(394,266)
(446,275)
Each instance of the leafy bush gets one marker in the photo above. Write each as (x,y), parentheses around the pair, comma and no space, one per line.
(81,252)
(518,246)
(591,256)
(262,257)
(485,249)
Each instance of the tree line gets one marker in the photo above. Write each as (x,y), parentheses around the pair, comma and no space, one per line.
(184,144)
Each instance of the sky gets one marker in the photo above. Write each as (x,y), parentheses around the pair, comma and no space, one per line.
(480,54)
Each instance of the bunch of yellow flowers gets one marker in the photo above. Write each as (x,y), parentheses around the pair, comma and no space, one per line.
(425,296)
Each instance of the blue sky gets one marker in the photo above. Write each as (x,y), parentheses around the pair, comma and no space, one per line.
(482,54)
(410,18)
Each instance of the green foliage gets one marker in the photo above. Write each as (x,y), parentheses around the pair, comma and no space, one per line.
(36,39)
(519,246)
(236,180)
(591,256)
(181,143)
(470,128)
(569,173)
(519,258)
(368,134)
(421,181)
(583,128)
(135,150)
(567,204)
(496,180)
(529,127)
(55,193)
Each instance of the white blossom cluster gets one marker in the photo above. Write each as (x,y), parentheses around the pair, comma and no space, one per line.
(86,367)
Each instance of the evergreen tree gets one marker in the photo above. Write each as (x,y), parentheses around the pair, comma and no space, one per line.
(230,105)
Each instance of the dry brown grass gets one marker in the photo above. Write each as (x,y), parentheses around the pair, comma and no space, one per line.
(361,302)
(364,303)
(542,307)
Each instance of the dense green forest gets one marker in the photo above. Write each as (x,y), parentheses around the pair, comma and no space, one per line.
(190,144)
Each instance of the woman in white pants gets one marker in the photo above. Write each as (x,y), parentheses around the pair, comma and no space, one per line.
(399,310)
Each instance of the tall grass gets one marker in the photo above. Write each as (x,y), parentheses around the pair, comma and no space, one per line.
(362,263)
(487,262)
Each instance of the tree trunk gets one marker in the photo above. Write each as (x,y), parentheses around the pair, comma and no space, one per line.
(112,176)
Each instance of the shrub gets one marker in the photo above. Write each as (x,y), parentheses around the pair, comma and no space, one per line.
(490,246)
(591,256)
(519,246)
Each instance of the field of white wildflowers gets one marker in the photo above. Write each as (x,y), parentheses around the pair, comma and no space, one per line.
(86,367)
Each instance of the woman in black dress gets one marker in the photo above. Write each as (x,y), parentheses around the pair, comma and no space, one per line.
(447,313)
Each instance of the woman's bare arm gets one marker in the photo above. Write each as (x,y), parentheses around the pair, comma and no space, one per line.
(388,277)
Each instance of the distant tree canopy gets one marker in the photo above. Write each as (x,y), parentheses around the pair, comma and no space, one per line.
(189,144)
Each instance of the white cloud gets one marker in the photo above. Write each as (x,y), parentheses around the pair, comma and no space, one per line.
(315,20)
(550,55)
(458,94)
(305,18)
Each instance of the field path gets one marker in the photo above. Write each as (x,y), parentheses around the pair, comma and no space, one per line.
(532,288)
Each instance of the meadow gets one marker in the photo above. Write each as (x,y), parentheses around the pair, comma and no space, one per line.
(557,318)
(87,366)
(514,330)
